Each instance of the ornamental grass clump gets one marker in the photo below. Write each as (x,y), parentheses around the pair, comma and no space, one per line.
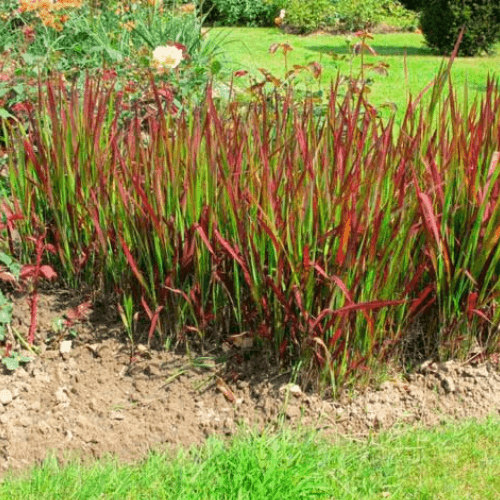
(334,240)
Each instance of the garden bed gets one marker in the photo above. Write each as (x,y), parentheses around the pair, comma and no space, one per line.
(285,242)
(99,398)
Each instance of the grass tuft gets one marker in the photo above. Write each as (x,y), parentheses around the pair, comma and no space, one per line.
(456,460)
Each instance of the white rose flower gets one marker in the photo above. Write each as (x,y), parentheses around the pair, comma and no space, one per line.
(167,57)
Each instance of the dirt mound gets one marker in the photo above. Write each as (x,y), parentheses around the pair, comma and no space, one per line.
(95,396)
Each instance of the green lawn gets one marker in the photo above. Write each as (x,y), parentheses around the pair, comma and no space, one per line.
(248,48)
(451,462)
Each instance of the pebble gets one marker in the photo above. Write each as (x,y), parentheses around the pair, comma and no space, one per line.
(448,384)
(116,415)
(62,396)
(141,349)
(65,347)
(292,388)
(6,397)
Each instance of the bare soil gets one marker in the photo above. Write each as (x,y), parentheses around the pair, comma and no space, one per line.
(96,397)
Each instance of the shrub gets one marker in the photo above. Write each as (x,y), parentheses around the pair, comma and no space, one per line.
(308,15)
(355,15)
(242,12)
(360,14)
(442,21)
(415,5)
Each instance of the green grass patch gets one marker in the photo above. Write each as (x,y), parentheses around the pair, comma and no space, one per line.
(453,461)
(248,48)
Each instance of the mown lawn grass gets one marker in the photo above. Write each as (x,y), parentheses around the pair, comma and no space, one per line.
(454,461)
(248,48)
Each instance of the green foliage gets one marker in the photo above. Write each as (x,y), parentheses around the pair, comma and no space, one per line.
(442,22)
(360,14)
(160,29)
(242,12)
(13,361)
(86,41)
(308,15)
(113,37)
(365,14)
(351,15)
(9,271)
(5,314)
(117,36)
(8,264)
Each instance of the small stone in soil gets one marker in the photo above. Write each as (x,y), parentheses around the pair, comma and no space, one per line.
(6,397)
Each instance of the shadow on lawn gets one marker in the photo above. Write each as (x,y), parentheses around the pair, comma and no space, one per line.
(381,50)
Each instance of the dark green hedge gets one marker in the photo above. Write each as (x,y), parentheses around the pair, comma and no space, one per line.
(442,21)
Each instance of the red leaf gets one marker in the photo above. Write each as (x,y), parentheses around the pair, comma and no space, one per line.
(415,280)
(344,241)
(282,348)
(154,321)
(257,87)
(49,247)
(336,336)
(234,253)
(145,202)
(482,315)
(48,272)
(305,257)
(320,270)
(8,277)
(187,251)
(416,303)
(363,34)
(365,306)
(429,216)
(298,301)
(222,387)
(313,325)
(146,308)
(179,46)
(335,279)
(78,313)
(316,69)
(342,286)
(471,304)
(27,272)
(430,222)
(132,262)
